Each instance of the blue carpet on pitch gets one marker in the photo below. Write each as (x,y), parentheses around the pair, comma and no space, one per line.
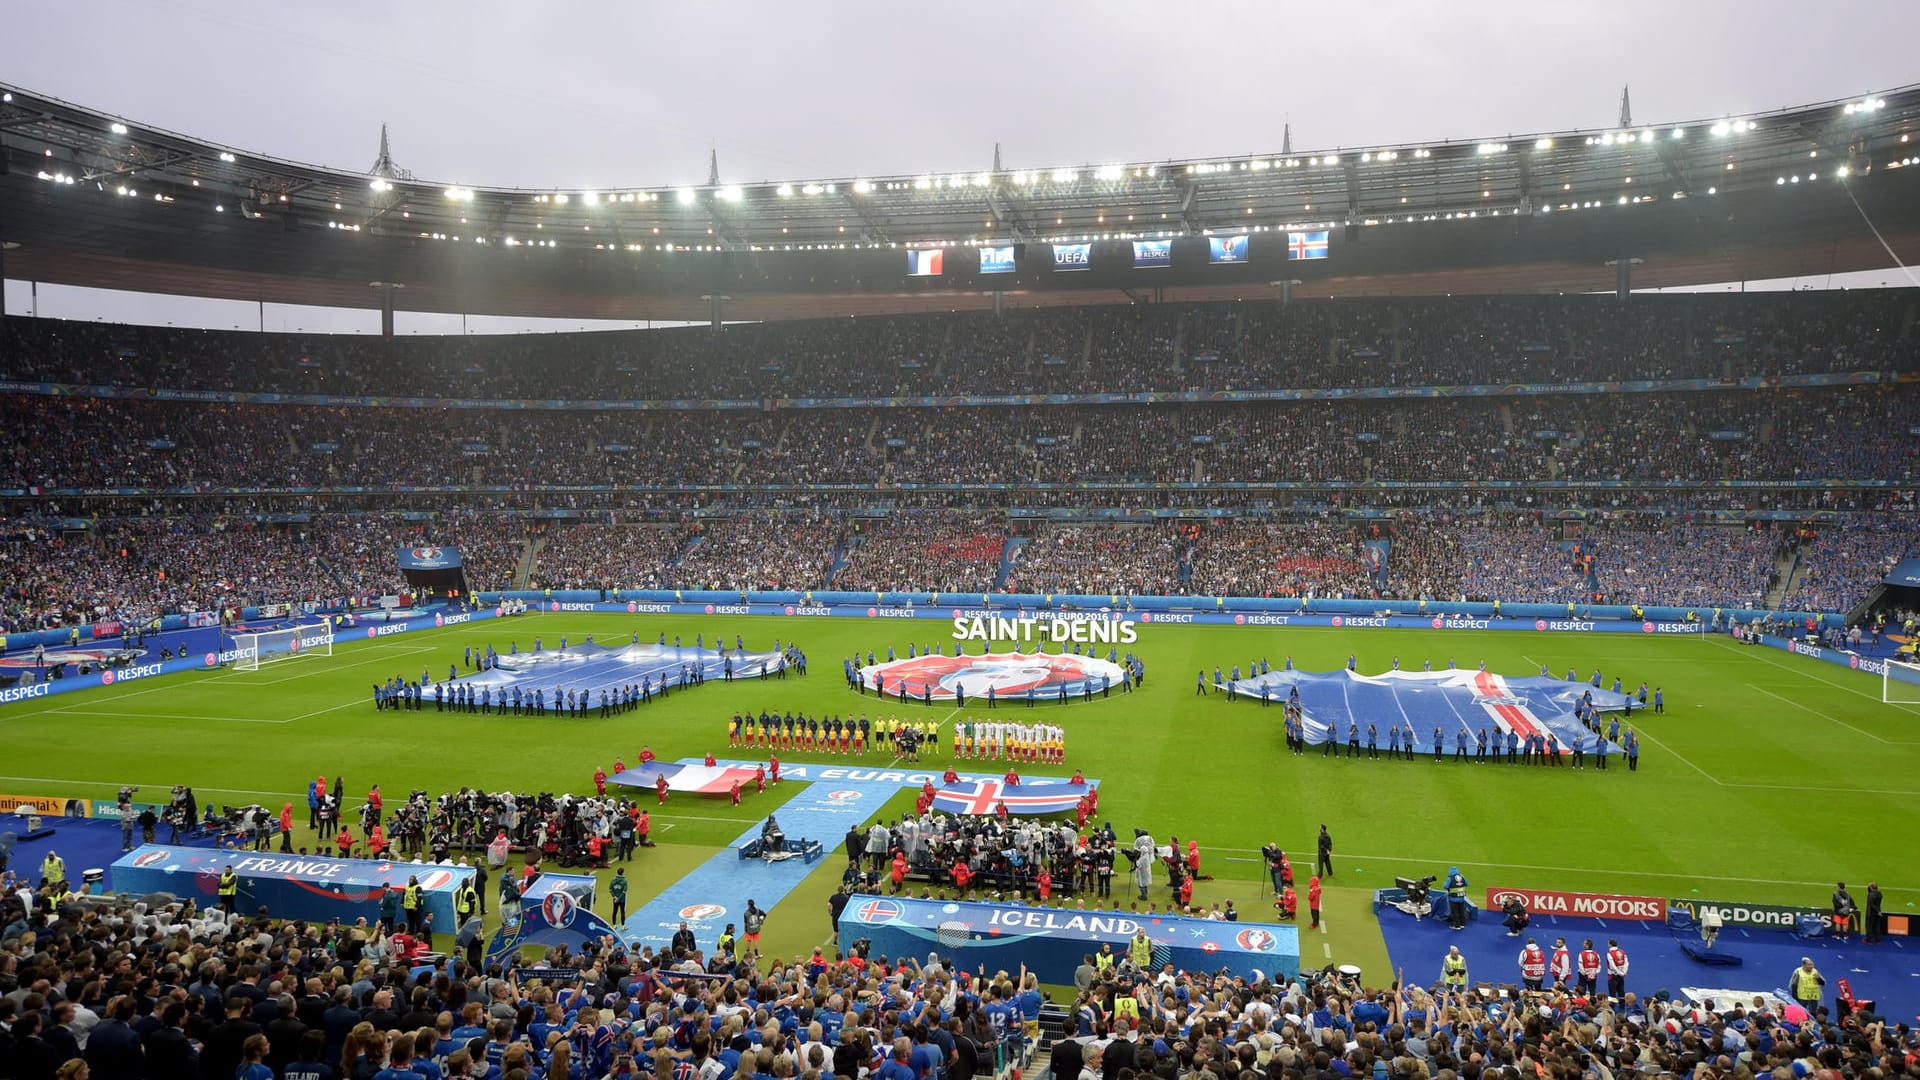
(1887,973)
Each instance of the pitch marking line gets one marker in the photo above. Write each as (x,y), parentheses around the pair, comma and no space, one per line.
(72,711)
(1760,653)
(1816,712)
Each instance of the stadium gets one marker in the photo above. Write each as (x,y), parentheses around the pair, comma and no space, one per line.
(1204,591)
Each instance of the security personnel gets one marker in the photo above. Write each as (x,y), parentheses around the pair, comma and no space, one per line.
(1140,951)
(1805,983)
(617,888)
(466,901)
(53,869)
(410,902)
(229,890)
(1453,969)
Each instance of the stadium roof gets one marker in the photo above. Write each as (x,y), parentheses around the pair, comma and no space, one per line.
(94,199)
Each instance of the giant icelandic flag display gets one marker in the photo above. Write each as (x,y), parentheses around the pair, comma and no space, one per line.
(1451,701)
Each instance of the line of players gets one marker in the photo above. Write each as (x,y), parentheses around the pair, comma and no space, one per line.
(831,735)
(987,740)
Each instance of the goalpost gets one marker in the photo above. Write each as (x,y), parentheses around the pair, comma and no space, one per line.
(265,647)
(1900,683)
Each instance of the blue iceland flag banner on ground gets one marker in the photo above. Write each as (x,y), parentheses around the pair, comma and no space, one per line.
(1072,256)
(1436,704)
(1227,249)
(996,260)
(1306,245)
(429,557)
(1152,253)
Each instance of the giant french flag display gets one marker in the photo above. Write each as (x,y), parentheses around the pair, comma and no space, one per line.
(986,797)
(1450,701)
(696,779)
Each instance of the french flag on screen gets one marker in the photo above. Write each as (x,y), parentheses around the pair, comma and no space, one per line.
(924,263)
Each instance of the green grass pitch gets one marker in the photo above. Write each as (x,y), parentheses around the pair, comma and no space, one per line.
(1768,778)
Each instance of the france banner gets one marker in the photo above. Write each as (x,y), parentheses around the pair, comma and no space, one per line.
(1148,254)
(429,558)
(996,260)
(1227,249)
(982,798)
(1072,256)
(925,263)
(316,887)
(1306,245)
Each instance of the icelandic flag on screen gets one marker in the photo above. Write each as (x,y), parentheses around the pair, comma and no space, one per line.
(1227,249)
(925,263)
(1306,245)
(984,797)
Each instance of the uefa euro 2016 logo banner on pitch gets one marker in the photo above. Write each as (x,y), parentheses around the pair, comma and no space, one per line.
(1008,675)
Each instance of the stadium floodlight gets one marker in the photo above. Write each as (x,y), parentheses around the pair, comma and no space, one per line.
(785,191)
(685,195)
(460,194)
(860,187)
(728,194)
(1721,128)
(226,157)
(380,185)
(1064,176)
(119,128)
(1543,144)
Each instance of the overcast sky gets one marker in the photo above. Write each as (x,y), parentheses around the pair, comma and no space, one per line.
(544,93)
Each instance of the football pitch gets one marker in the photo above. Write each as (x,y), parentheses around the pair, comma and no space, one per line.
(1768,778)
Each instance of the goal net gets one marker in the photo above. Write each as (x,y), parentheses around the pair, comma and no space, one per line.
(265,647)
(1900,684)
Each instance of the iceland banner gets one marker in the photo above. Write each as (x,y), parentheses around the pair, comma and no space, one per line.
(1227,249)
(1152,253)
(1072,256)
(1306,245)
(996,260)
(429,558)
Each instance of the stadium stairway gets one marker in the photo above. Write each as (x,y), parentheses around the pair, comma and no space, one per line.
(1787,569)
(529,557)
(1007,555)
(842,555)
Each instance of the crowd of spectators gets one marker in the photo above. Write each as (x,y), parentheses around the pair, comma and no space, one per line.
(56,573)
(924,553)
(126,990)
(757,552)
(1125,348)
(1845,563)
(592,555)
(1098,560)
(1697,438)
